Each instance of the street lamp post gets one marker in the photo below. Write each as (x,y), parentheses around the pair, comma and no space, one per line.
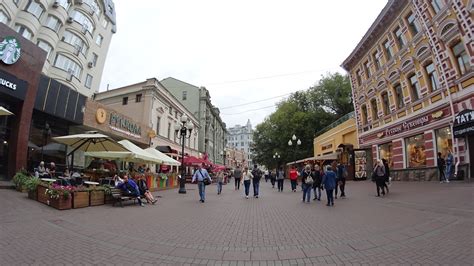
(184,129)
(276,156)
(297,143)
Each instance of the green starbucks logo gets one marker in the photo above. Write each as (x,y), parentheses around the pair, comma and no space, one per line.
(10,50)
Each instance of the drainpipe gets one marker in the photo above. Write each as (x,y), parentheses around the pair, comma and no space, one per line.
(443,74)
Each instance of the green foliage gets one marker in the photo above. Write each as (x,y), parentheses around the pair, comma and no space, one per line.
(303,114)
(32,183)
(20,178)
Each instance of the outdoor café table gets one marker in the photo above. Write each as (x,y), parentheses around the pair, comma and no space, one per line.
(91,183)
(48,179)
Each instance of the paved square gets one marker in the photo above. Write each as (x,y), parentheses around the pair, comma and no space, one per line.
(417,223)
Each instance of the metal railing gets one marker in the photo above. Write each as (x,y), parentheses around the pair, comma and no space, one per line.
(334,124)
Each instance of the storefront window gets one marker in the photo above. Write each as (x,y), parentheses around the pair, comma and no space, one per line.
(386,152)
(444,141)
(415,151)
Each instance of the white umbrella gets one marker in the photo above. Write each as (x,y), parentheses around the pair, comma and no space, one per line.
(91,141)
(4,111)
(139,153)
(166,159)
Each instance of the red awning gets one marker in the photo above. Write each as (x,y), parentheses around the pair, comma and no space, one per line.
(191,160)
(218,167)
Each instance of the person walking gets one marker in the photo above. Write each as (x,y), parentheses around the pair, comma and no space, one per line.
(220,181)
(267,175)
(257,175)
(449,165)
(317,182)
(280,177)
(441,165)
(387,174)
(246,178)
(341,179)
(307,180)
(293,178)
(200,174)
(237,177)
(272,176)
(379,173)
(329,183)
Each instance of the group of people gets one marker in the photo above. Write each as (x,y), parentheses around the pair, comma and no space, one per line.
(44,171)
(445,166)
(135,188)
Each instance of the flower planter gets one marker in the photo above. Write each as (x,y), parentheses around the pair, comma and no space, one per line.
(80,199)
(60,203)
(41,194)
(97,197)
(32,194)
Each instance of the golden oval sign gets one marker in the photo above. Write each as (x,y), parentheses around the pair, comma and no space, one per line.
(101,116)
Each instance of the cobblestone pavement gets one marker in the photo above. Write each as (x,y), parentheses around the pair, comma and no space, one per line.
(417,223)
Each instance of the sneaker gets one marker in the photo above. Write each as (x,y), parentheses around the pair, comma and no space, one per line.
(246,197)
(153,202)
(256,196)
(142,204)
(315,198)
(447,181)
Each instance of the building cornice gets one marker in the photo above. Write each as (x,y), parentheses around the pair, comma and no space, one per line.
(384,19)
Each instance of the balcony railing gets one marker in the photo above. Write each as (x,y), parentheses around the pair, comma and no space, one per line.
(334,124)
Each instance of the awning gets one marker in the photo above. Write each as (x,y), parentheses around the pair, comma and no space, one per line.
(464,124)
(325,157)
(4,111)
(166,159)
(140,153)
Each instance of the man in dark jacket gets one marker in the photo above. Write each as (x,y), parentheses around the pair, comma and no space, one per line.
(329,183)
(257,175)
(387,174)
(130,188)
(441,165)
(341,179)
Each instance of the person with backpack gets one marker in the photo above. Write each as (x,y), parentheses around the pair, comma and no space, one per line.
(317,182)
(379,176)
(441,165)
(257,175)
(307,180)
(202,177)
(237,176)
(341,179)
(280,177)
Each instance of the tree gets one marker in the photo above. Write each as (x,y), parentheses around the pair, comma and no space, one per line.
(304,113)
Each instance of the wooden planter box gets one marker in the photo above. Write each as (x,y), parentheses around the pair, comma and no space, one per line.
(33,194)
(97,197)
(80,199)
(61,203)
(41,194)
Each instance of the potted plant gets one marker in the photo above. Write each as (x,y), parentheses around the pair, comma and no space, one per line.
(31,186)
(97,196)
(59,197)
(80,197)
(19,180)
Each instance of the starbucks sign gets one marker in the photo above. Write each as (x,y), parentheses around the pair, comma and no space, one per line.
(10,50)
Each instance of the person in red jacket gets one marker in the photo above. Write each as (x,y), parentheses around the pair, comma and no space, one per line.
(293,178)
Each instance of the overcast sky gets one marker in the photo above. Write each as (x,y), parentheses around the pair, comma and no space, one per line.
(241,51)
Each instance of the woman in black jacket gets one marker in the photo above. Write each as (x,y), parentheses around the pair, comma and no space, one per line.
(144,191)
(317,182)
(387,174)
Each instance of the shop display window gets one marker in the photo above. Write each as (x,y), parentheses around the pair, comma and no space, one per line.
(386,152)
(444,140)
(415,151)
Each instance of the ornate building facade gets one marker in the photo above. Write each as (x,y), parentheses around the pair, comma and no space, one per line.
(411,75)
(240,138)
(75,34)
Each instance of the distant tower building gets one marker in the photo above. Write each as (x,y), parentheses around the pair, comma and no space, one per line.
(240,138)
(75,35)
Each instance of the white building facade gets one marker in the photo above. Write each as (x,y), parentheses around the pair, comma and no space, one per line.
(241,138)
(76,35)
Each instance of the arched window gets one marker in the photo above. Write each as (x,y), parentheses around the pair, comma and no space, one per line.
(399,96)
(364,114)
(373,104)
(385,103)
(462,58)
(433,79)
(415,87)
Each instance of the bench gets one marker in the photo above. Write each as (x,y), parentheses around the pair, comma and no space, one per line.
(118,196)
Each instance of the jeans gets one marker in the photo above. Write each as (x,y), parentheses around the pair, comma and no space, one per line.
(448,171)
(306,192)
(272,180)
(256,187)
(202,190)
(317,192)
(237,183)
(330,196)
(219,187)
(380,182)
(293,184)
(442,175)
(247,187)
(341,183)
(280,184)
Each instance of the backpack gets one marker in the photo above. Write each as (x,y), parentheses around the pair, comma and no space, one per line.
(257,173)
(309,179)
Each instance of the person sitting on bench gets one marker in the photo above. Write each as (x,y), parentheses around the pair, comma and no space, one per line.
(130,188)
(144,191)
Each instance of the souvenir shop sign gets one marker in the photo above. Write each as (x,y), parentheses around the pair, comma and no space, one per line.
(410,124)
(464,124)
(124,125)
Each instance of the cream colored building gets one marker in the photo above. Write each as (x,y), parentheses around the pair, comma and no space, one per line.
(150,104)
(76,34)
(344,132)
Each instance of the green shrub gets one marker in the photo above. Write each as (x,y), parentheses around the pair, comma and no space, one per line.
(20,178)
(32,183)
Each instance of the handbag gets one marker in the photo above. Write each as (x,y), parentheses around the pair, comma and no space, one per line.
(309,180)
(205,180)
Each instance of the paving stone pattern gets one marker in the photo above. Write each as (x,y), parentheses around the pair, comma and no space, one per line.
(417,223)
